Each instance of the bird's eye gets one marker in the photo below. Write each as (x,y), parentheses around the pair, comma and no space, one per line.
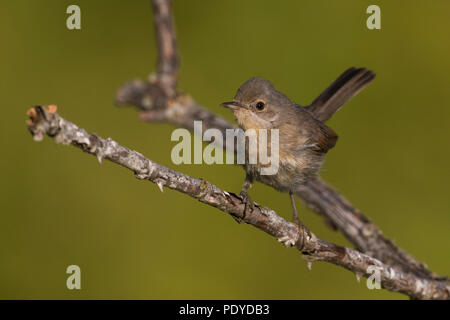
(260,105)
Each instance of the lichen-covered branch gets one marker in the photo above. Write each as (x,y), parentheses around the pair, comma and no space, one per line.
(181,110)
(46,121)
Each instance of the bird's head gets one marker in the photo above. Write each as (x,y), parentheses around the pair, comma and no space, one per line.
(257,104)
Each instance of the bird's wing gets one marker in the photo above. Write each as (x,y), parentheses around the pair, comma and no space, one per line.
(313,134)
(350,83)
(324,139)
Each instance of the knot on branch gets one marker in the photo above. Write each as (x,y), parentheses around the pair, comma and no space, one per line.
(146,95)
(42,120)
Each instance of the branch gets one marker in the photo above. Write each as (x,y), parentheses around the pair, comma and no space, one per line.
(161,86)
(168,62)
(181,110)
(45,120)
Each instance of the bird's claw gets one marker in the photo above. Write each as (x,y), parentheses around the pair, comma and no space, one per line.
(248,205)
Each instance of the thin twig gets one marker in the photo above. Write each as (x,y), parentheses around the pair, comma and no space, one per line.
(45,120)
(168,61)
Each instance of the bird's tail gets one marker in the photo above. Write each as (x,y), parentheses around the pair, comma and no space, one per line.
(350,83)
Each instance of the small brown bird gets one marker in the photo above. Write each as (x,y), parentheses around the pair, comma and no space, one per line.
(304,139)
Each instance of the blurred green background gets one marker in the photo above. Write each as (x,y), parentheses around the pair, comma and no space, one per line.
(60,207)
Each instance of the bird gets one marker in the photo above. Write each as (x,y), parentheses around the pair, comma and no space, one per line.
(304,138)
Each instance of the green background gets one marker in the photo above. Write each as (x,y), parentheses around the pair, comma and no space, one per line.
(60,207)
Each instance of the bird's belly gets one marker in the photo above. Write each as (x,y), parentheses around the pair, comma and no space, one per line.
(289,177)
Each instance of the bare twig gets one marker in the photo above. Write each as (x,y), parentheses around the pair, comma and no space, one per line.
(182,110)
(45,120)
(161,87)
(168,61)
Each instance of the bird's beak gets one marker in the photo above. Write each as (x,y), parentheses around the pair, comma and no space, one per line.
(233,105)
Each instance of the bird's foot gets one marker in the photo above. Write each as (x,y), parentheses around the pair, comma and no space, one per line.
(248,206)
